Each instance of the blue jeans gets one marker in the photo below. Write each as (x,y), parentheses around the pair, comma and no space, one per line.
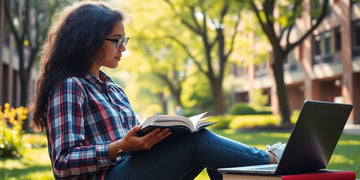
(184,157)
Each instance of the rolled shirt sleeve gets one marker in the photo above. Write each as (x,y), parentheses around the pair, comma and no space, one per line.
(71,153)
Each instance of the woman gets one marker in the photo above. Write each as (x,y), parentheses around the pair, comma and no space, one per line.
(90,124)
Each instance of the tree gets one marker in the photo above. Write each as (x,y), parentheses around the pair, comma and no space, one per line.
(29,25)
(172,71)
(215,25)
(156,61)
(269,21)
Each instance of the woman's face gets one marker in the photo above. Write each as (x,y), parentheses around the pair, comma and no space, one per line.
(111,56)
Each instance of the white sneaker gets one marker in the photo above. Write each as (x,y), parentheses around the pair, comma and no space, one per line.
(277,149)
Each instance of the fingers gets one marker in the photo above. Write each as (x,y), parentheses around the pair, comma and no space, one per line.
(156,136)
(132,142)
(134,130)
(162,135)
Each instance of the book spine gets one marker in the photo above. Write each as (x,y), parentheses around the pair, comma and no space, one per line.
(343,175)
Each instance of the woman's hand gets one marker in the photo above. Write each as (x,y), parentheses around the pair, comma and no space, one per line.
(132,142)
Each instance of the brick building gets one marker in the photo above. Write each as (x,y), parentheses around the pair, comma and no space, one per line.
(326,66)
(9,65)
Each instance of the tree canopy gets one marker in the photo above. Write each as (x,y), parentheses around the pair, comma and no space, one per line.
(172,37)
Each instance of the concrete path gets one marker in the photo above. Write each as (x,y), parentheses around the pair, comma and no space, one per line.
(352,129)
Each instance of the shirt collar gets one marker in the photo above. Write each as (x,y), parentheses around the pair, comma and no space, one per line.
(104,78)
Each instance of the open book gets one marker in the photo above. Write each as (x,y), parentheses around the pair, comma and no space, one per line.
(176,123)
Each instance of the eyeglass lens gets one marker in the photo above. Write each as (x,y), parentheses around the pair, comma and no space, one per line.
(121,41)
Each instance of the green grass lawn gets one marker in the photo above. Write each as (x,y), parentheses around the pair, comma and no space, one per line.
(35,163)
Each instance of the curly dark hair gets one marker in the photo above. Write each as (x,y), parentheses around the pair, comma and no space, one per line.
(72,42)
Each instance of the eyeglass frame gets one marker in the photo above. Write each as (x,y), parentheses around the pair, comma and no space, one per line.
(119,42)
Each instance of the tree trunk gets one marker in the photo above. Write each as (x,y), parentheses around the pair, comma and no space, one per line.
(24,83)
(163,102)
(178,99)
(219,99)
(24,92)
(281,90)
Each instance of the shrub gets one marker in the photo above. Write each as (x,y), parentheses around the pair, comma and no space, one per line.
(294,116)
(260,99)
(35,140)
(250,121)
(262,109)
(11,121)
(242,109)
(222,122)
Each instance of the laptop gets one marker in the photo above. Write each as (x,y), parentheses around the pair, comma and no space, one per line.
(311,143)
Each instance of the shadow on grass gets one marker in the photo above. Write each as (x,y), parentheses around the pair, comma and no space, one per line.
(27,172)
(35,164)
(256,138)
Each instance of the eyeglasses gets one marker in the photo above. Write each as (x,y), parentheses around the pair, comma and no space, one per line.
(119,42)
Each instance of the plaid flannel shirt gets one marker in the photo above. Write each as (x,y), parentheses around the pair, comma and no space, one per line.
(83,116)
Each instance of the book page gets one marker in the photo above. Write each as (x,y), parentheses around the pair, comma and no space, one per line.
(168,120)
(197,119)
(193,123)
(176,122)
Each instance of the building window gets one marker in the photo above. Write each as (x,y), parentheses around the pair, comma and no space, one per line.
(323,48)
(291,60)
(328,43)
(356,26)
(337,39)
(260,69)
(356,39)
(317,45)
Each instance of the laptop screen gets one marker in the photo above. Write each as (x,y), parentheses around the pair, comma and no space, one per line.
(314,137)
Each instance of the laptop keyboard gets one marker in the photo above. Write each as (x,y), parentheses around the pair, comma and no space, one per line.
(270,168)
